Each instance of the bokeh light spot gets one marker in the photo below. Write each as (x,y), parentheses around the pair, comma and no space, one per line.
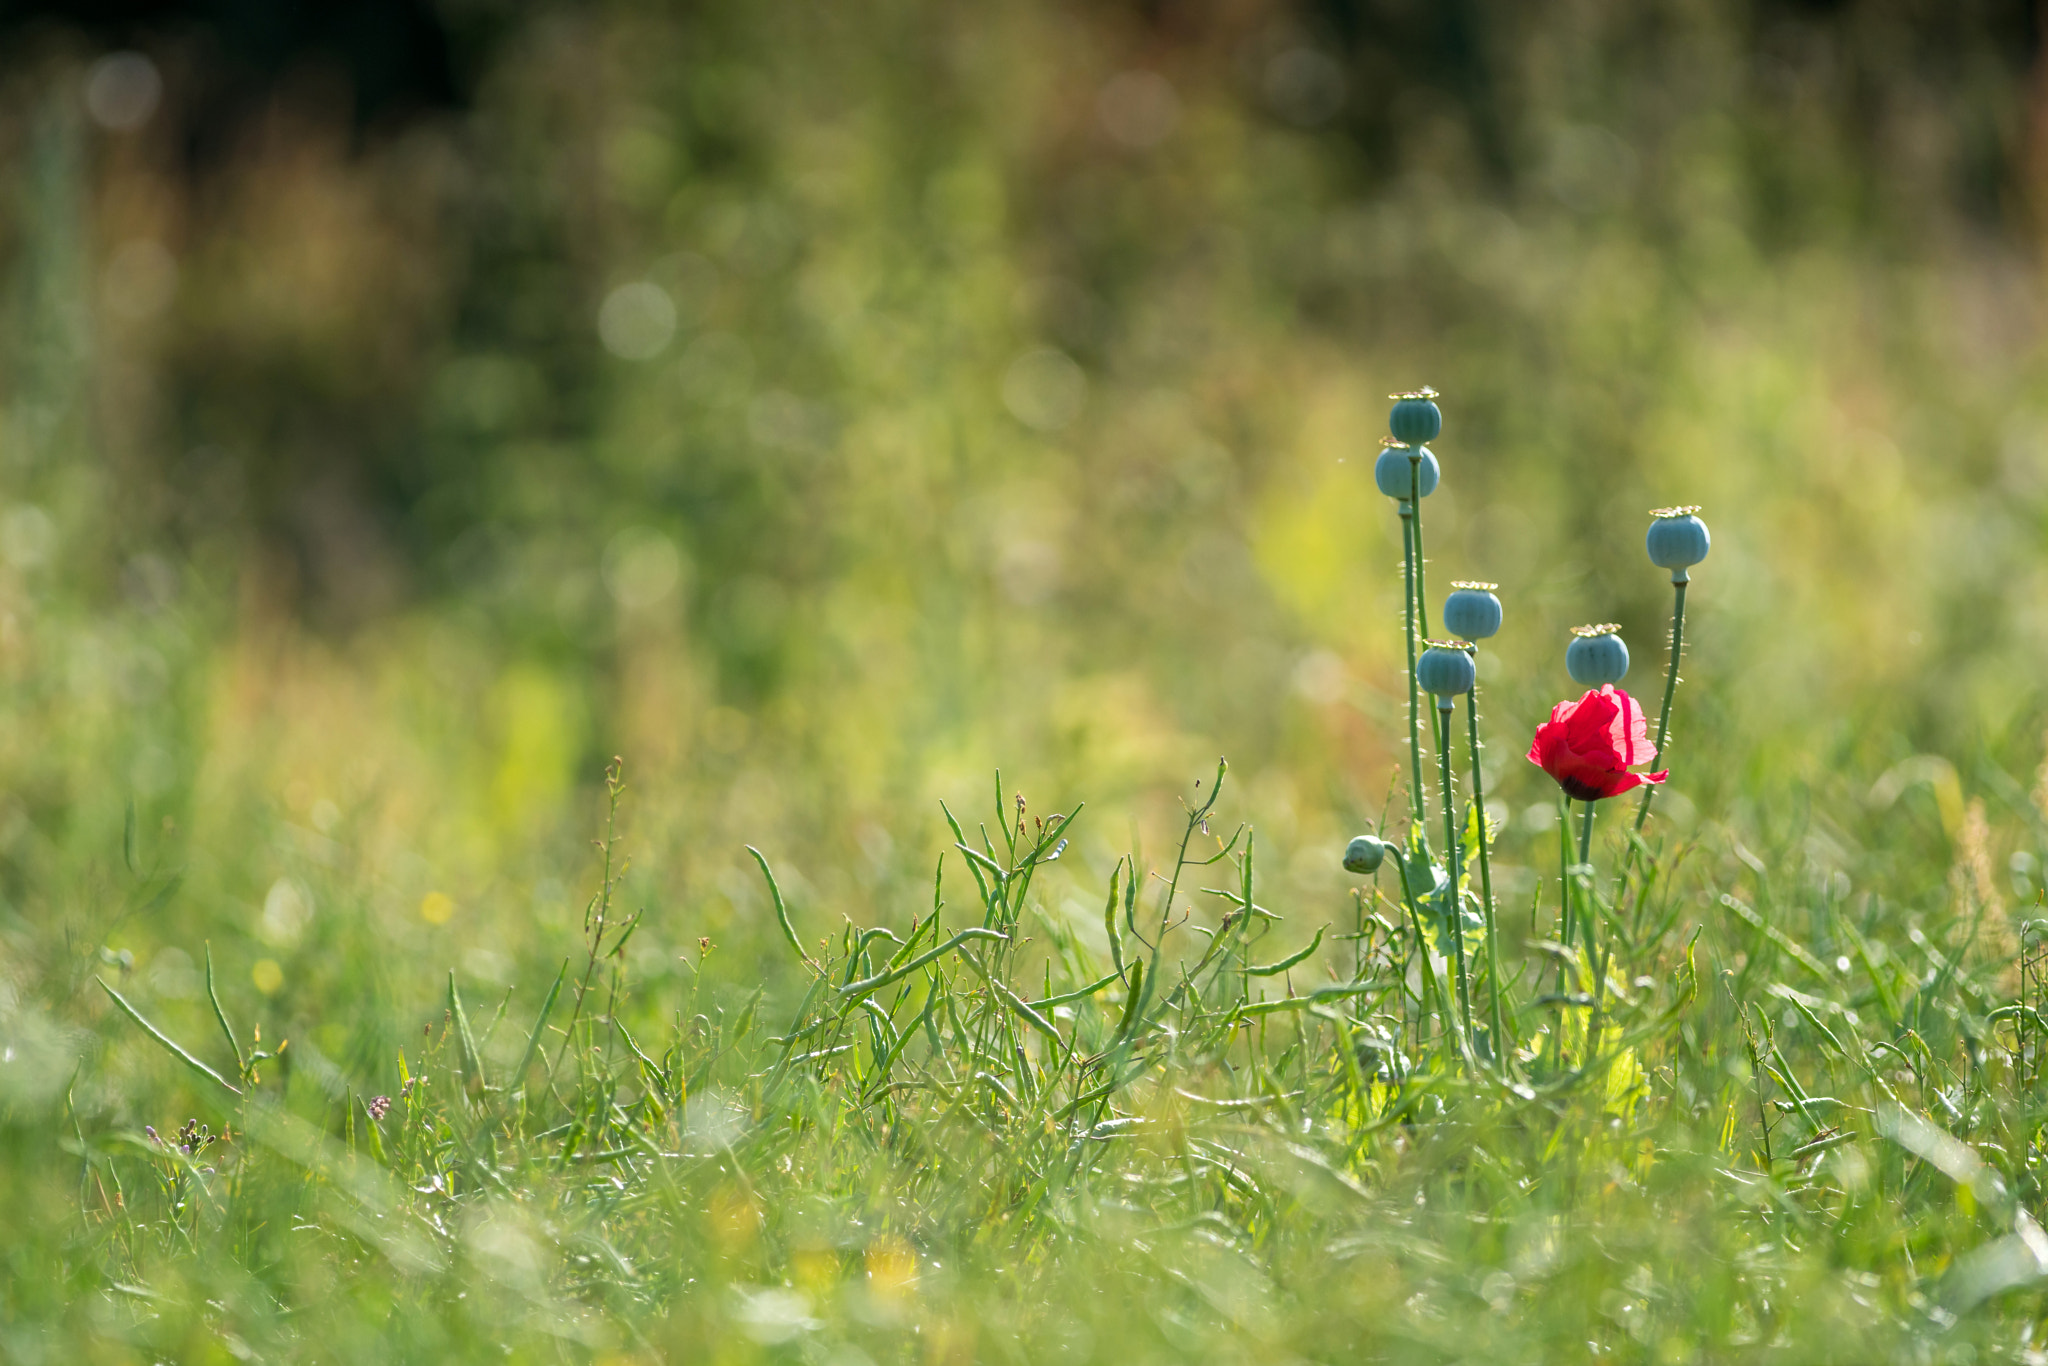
(122,90)
(1138,109)
(641,567)
(1044,389)
(637,321)
(1304,86)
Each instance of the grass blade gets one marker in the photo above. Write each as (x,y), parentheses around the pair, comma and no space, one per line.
(241,1063)
(533,1040)
(197,1066)
(781,910)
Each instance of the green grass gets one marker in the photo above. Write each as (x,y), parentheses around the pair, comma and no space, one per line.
(1805,1131)
(331,578)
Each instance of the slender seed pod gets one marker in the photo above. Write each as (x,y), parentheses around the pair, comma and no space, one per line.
(1677,540)
(1364,854)
(1596,655)
(1446,669)
(1390,472)
(1472,612)
(1415,418)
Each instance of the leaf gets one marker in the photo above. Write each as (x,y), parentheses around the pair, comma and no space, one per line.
(197,1066)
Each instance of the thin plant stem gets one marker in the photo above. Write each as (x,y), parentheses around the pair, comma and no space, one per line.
(1587,916)
(1485,876)
(1415,506)
(1454,909)
(1420,594)
(1414,697)
(1564,898)
(1430,989)
(1670,685)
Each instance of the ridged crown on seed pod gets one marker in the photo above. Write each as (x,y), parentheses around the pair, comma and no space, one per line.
(1677,538)
(1446,668)
(1415,418)
(1392,471)
(1472,611)
(1597,655)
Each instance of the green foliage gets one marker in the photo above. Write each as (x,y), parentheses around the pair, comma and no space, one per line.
(1008,407)
(990,1135)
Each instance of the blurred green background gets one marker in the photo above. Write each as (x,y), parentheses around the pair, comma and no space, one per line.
(405,408)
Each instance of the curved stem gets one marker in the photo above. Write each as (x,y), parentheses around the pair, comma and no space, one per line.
(1486,878)
(1430,990)
(1454,907)
(1670,685)
(1414,699)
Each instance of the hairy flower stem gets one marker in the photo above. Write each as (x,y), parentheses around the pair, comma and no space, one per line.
(1500,1049)
(1430,990)
(1678,582)
(1420,594)
(1594,963)
(1564,899)
(1454,907)
(1409,557)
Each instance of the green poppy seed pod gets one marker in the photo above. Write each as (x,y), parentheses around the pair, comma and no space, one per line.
(1391,472)
(1364,854)
(1415,418)
(1596,655)
(1445,669)
(1678,540)
(1472,612)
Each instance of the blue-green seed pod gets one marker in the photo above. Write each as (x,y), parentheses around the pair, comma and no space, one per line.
(1472,612)
(1364,854)
(1415,418)
(1390,472)
(1596,655)
(1678,540)
(1445,669)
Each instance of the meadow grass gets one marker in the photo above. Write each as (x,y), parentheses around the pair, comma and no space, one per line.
(992,427)
(1802,1129)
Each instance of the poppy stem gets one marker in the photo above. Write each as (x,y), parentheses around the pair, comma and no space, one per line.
(1430,990)
(1678,581)
(1455,908)
(1409,557)
(1596,963)
(1486,877)
(1564,899)
(1441,722)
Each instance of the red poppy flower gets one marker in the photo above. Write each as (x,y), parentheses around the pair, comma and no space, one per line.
(1589,745)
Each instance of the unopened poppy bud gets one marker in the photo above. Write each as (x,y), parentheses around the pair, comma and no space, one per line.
(1472,612)
(1364,854)
(1391,472)
(1445,669)
(1678,540)
(1415,418)
(1596,655)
